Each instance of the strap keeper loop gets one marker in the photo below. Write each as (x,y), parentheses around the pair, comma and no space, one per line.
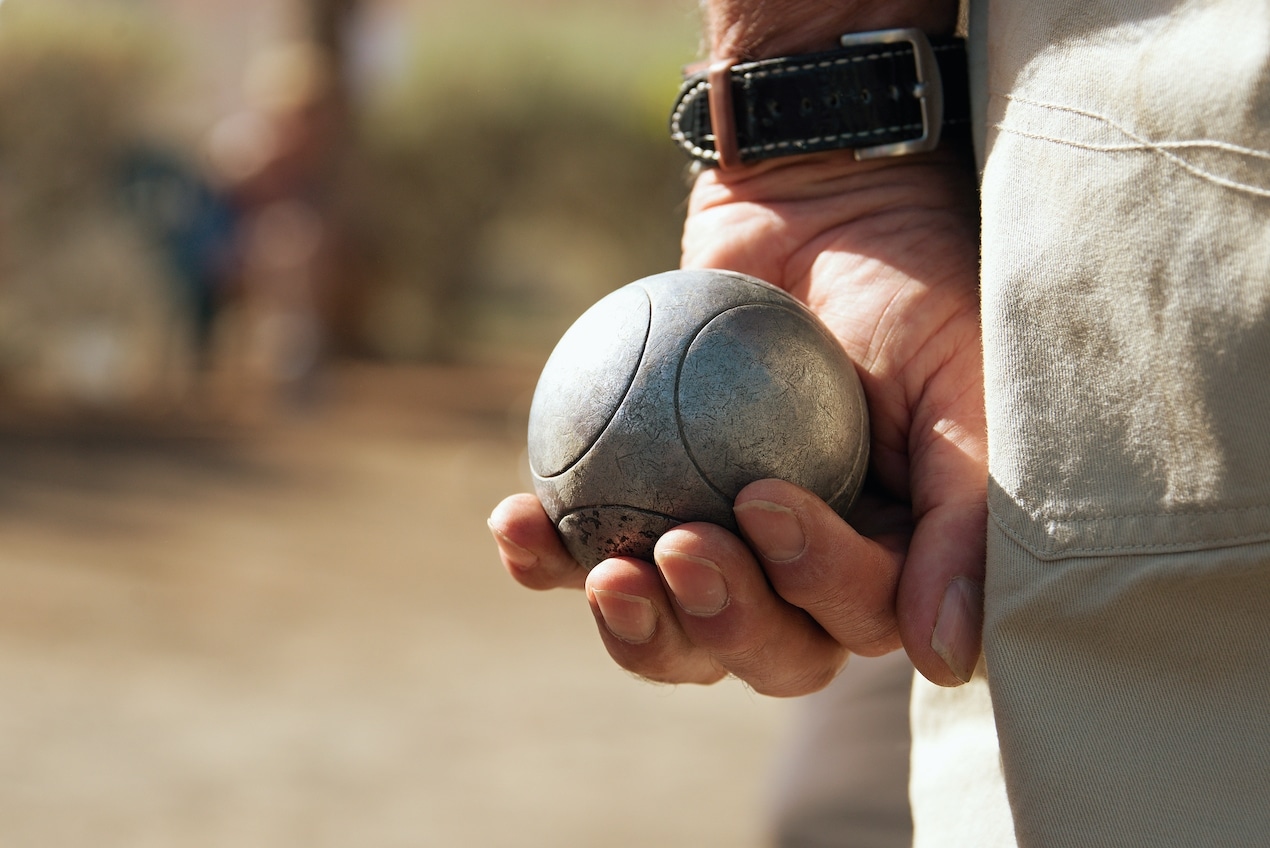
(722,114)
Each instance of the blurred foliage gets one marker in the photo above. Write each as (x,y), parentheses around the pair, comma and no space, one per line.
(518,169)
(511,172)
(499,226)
(71,88)
(84,306)
(620,57)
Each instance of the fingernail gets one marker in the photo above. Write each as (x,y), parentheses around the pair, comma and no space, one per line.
(696,583)
(517,556)
(628,617)
(773,530)
(957,627)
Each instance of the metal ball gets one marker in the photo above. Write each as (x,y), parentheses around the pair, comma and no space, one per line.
(671,394)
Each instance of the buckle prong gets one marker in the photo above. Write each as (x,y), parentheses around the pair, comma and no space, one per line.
(928,90)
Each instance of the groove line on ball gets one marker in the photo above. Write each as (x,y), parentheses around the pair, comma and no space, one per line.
(625,394)
(678,409)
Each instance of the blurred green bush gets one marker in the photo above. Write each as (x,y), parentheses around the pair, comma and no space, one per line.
(85,310)
(514,173)
(518,170)
(492,230)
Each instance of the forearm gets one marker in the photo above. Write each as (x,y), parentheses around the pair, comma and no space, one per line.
(758,29)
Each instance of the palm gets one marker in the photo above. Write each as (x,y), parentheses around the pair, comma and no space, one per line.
(891,269)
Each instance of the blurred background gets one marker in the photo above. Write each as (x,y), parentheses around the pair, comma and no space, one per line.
(276,280)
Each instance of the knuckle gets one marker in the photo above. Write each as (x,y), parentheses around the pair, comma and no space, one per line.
(544,576)
(856,623)
(770,670)
(795,683)
(659,665)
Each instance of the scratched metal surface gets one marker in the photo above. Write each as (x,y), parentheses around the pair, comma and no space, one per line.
(670,395)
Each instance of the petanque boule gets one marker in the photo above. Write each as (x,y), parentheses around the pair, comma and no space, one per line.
(671,394)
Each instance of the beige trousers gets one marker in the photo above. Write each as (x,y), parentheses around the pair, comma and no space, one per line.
(1126,311)
(842,777)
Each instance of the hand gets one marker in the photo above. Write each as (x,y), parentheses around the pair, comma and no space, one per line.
(886,253)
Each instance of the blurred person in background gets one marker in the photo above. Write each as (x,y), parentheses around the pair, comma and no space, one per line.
(276,157)
(195,225)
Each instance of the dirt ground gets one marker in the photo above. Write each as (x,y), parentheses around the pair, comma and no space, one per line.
(296,633)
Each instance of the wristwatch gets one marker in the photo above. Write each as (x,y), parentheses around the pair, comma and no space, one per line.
(886,93)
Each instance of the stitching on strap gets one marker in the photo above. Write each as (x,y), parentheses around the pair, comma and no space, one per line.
(782,145)
(761,73)
(676,124)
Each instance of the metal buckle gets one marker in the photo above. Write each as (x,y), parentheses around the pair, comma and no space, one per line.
(929,89)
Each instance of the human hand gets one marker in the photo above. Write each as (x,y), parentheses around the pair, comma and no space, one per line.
(886,253)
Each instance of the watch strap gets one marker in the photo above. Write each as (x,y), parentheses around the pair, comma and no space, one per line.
(880,94)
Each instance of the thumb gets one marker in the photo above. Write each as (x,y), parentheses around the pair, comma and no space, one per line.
(939,601)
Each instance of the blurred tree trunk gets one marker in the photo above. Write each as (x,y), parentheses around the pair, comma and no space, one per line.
(329,21)
(341,295)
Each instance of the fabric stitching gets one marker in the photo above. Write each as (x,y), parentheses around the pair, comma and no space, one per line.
(1163,148)
(1069,518)
(680,137)
(1054,550)
(761,73)
(824,139)
(1051,547)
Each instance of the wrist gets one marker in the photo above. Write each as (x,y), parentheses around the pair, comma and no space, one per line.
(848,188)
(746,30)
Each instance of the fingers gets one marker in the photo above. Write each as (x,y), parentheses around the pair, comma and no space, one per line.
(703,612)
(940,600)
(529,546)
(637,624)
(783,622)
(871,594)
(707,610)
(817,562)
(724,603)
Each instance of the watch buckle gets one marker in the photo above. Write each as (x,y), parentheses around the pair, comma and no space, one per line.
(928,89)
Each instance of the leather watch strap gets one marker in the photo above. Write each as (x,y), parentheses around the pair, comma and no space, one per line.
(881,94)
